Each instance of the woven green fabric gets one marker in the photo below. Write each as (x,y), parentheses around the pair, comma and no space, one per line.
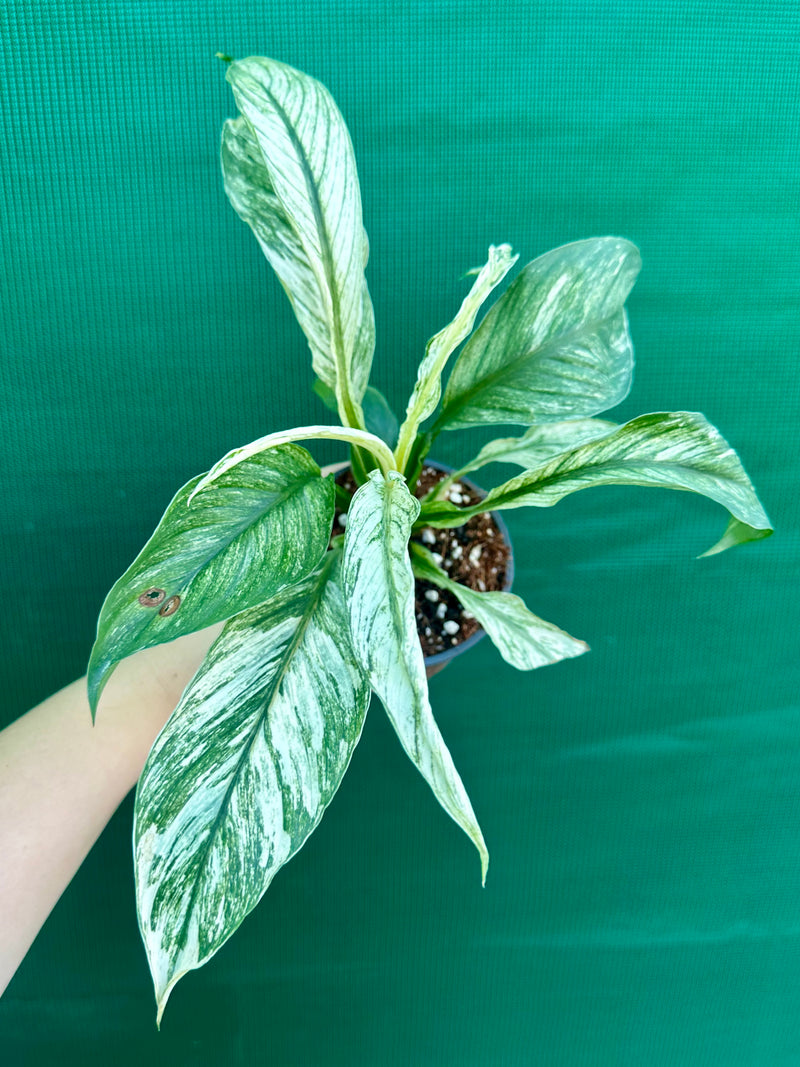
(641,804)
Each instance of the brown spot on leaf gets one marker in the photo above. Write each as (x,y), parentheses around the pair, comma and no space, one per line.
(150,597)
(170,607)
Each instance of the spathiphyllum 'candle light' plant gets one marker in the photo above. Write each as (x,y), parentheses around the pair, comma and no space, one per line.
(315,621)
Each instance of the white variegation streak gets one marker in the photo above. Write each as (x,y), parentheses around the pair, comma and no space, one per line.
(243,771)
(522,639)
(379,589)
(555,346)
(361,438)
(305,208)
(669,450)
(428,389)
(259,527)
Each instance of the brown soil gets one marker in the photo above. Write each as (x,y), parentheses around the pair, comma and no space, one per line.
(474,554)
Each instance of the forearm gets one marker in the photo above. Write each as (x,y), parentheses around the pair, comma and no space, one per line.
(61,779)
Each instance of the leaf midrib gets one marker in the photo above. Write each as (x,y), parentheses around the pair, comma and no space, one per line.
(326,254)
(593,468)
(271,693)
(491,380)
(296,488)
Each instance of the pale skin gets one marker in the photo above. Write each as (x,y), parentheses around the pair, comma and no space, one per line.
(61,779)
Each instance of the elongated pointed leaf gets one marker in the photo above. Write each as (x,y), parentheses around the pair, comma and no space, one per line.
(671,450)
(428,389)
(555,345)
(379,589)
(539,443)
(243,771)
(262,525)
(290,174)
(523,640)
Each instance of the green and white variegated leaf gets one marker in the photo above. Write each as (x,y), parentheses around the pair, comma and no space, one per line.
(243,771)
(290,173)
(522,639)
(539,443)
(428,389)
(262,525)
(671,450)
(379,590)
(555,345)
(374,445)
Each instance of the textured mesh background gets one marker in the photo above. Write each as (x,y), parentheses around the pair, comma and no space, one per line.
(642,804)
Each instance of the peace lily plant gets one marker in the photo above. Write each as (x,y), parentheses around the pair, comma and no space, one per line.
(258,744)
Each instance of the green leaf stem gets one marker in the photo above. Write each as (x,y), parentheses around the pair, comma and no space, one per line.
(379,418)
(374,445)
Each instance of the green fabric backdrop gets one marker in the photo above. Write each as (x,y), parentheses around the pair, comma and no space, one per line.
(641,804)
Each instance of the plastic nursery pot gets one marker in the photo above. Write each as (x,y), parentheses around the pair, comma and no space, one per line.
(439,660)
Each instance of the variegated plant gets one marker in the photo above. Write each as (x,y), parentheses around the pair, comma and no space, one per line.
(256,748)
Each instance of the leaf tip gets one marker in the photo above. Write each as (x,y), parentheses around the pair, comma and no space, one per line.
(96,678)
(737,533)
(163,995)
